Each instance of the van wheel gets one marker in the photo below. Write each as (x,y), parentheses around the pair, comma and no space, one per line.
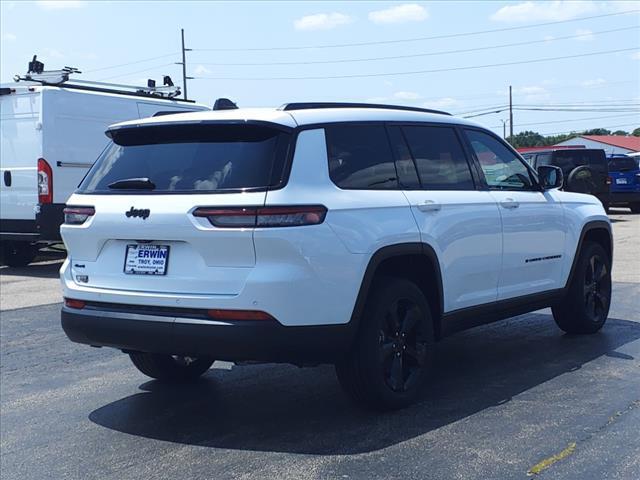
(635,207)
(586,306)
(18,254)
(393,351)
(171,368)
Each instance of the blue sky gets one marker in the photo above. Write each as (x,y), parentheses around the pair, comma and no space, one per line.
(272,38)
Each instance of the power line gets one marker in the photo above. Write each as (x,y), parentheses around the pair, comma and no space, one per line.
(418,72)
(137,71)
(416,55)
(130,63)
(569,120)
(415,39)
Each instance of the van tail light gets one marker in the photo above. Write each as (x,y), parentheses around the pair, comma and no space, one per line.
(73,303)
(45,182)
(77,215)
(263,217)
(608,181)
(218,314)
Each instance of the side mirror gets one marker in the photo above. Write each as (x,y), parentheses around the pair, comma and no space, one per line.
(550,177)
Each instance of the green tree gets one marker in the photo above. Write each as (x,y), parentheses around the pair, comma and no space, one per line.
(636,132)
(597,131)
(620,132)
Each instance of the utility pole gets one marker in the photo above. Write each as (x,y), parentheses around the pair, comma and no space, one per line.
(184,65)
(510,112)
(504,128)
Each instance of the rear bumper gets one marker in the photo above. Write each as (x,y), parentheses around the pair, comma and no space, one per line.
(624,198)
(267,341)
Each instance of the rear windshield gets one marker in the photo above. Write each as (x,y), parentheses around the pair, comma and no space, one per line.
(623,164)
(190,158)
(570,159)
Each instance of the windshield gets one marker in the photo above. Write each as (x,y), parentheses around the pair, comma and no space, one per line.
(623,164)
(189,158)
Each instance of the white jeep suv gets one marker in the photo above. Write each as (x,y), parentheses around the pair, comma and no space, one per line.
(350,234)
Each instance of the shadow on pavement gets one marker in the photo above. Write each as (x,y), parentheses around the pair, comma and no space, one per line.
(50,269)
(280,408)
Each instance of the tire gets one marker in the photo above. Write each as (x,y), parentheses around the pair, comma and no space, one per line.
(18,254)
(586,305)
(169,368)
(635,207)
(384,371)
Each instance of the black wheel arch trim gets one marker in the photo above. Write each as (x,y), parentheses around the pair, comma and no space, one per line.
(588,227)
(389,252)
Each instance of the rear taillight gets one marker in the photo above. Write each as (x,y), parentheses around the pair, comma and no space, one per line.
(608,181)
(73,303)
(218,314)
(77,215)
(45,182)
(263,217)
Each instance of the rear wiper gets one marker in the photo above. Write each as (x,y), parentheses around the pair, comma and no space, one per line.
(133,184)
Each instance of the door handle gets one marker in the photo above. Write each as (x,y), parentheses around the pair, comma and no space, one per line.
(429,206)
(7,178)
(509,203)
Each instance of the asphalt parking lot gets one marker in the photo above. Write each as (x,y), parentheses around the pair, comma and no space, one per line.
(508,399)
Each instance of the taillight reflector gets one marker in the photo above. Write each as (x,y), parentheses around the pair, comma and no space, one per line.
(77,215)
(73,303)
(608,181)
(238,315)
(263,217)
(45,182)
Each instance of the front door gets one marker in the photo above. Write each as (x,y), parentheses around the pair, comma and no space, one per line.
(533,227)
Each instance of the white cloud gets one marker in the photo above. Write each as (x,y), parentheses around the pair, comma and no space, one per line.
(201,70)
(10,37)
(52,53)
(407,95)
(594,82)
(376,100)
(322,21)
(60,4)
(531,90)
(635,55)
(444,102)
(549,38)
(545,11)
(586,35)
(408,12)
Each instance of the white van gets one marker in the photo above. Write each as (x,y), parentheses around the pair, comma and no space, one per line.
(50,136)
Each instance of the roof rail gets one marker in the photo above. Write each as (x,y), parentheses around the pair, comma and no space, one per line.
(318,105)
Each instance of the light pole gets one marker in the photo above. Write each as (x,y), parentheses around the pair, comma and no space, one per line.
(504,128)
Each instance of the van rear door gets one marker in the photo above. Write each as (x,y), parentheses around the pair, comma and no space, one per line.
(20,148)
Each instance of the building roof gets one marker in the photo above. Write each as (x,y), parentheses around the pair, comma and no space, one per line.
(630,143)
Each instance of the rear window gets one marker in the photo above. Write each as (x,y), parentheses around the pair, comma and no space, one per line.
(623,164)
(191,158)
(570,159)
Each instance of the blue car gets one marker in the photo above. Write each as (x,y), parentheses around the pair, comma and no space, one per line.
(625,182)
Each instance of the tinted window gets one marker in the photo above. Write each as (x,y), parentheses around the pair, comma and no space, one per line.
(567,160)
(360,157)
(502,168)
(189,158)
(623,164)
(543,159)
(439,158)
(405,165)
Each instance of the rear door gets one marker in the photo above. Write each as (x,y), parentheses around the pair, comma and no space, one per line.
(459,221)
(625,174)
(146,189)
(533,223)
(20,148)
